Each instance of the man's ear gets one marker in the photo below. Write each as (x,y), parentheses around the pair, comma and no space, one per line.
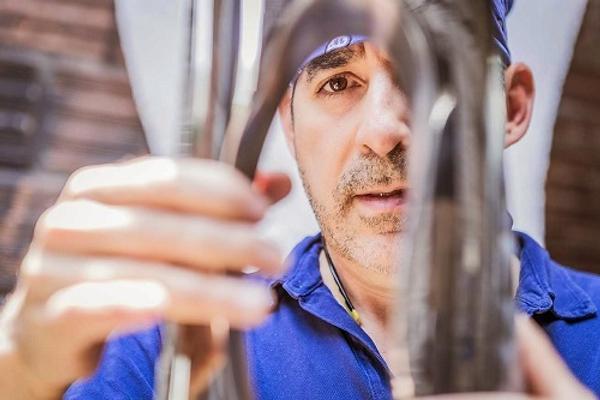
(520,93)
(287,123)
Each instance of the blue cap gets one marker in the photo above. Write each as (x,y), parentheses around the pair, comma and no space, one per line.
(336,43)
(500,9)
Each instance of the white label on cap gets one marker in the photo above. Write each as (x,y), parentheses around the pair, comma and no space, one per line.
(338,42)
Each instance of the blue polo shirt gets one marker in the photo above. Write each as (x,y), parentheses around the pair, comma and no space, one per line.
(310,348)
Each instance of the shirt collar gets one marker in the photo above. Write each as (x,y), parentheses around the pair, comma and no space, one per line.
(303,282)
(302,278)
(543,287)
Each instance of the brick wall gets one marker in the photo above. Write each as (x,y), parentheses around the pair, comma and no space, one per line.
(65,102)
(573,185)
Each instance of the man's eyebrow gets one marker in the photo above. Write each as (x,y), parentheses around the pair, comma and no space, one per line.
(335,59)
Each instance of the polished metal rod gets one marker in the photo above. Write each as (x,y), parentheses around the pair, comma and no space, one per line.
(211,66)
(455,287)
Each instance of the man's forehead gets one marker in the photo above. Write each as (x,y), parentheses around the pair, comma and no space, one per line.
(335,59)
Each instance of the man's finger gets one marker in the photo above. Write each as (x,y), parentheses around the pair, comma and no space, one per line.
(88,227)
(192,186)
(119,286)
(96,309)
(275,186)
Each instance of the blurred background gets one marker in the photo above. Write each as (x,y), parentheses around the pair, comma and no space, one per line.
(94,81)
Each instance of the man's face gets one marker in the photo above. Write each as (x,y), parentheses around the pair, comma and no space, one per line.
(350,134)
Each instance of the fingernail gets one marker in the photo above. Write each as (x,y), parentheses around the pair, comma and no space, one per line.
(257,207)
(286,264)
(256,297)
(274,299)
(272,257)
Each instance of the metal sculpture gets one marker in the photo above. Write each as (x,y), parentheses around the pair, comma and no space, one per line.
(454,310)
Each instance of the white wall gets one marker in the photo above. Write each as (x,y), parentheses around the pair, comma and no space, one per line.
(152,36)
(291,219)
(541,33)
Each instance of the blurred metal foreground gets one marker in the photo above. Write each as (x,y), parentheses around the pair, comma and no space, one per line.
(454,311)
(455,285)
(208,90)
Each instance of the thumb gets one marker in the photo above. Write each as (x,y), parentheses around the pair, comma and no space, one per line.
(207,345)
(274,185)
(544,370)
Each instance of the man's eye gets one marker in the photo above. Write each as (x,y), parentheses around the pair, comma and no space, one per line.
(341,84)
(337,84)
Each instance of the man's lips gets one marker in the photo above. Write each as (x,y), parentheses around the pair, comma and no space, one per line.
(382,201)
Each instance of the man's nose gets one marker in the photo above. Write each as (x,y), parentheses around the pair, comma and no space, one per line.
(385,118)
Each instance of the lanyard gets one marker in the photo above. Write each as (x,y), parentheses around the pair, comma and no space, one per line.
(336,278)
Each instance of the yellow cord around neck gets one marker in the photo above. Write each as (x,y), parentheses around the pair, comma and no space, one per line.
(336,278)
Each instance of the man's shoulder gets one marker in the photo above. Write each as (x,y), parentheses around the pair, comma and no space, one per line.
(565,302)
(589,282)
(577,339)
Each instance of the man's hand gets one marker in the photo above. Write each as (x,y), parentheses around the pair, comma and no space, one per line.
(546,375)
(127,245)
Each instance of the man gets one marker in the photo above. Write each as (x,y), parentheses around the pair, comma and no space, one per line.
(131,243)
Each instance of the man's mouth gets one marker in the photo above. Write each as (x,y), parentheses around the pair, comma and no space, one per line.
(382,201)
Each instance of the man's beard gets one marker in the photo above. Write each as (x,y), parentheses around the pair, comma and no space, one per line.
(361,176)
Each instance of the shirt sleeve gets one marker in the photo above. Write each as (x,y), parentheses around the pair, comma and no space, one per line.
(126,370)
